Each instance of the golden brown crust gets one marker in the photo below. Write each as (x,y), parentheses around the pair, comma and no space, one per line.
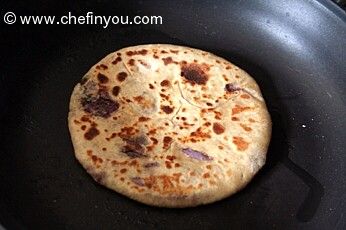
(169,126)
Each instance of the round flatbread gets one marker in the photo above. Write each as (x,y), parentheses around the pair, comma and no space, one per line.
(169,126)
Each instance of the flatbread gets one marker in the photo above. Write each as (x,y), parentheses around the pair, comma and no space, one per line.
(169,126)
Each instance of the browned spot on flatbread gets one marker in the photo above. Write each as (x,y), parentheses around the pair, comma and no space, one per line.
(183,62)
(206,175)
(151,86)
(133,163)
(143,119)
(165,83)
(134,149)
(115,162)
(174,51)
(238,109)
(145,64)
(164,96)
(154,140)
(167,109)
(235,119)
(101,66)
(138,99)
(127,131)
(252,120)
(150,148)
(116,61)
(94,158)
(207,124)
(246,128)
(155,56)
(168,60)
(85,118)
(200,134)
(194,73)
(231,88)
(152,132)
(131,62)
(102,78)
(245,96)
(116,90)
(167,142)
(168,164)
(217,115)
(123,170)
(151,165)
(241,144)
(218,128)
(100,105)
(91,133)
(83,127)
(121,76)
(171,158)
(137,52)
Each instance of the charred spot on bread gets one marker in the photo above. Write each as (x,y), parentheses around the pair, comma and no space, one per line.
(102,78)
(134,148)
(116,90)
(168,60)
(100,105)
(231,88)
(91,133)
(165,83)
(121,76)
(218,128)
(194,74)
(137,52)
(167,109)
(116,61)
(151,165)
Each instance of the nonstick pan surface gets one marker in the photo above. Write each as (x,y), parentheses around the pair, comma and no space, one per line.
(296,51)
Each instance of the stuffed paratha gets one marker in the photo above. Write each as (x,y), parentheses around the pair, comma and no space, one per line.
(168,125)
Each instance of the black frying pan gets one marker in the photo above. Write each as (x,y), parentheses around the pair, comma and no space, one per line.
(296,50)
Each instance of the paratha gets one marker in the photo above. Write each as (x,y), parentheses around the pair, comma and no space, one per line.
(168,125)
